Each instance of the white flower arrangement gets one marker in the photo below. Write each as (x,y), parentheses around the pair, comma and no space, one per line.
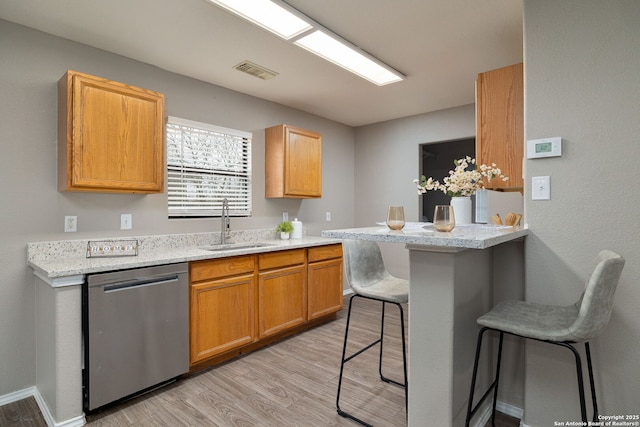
(462,182)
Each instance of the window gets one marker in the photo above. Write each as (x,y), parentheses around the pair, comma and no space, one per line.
(205,165)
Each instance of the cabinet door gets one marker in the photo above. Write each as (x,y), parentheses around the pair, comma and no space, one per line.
(324,288)
(111,136)
(303,165)
(282,296)
(222,316)
(500,122)
(293,162)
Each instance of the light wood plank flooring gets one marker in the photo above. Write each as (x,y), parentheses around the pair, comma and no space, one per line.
(290,383)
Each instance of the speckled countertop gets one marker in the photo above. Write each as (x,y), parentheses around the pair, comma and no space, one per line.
(58,259)
(472,236)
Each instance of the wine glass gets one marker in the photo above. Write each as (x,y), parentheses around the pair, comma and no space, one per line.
(395,217)
(443,218)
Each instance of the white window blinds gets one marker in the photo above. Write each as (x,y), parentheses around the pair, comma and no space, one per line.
(206,164)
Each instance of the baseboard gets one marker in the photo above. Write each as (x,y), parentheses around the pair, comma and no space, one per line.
(484,415)
(512,411)
(17,395)
(42,404)
(51,422)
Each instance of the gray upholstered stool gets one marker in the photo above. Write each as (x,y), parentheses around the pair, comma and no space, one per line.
(368,278)
(559,325)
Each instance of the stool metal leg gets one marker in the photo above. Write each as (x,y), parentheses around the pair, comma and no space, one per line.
(382,377)
(594,400)
(404,355)
(471,409)
(583,406)
(404,361)
(380,341)
(345,360)
(497,381)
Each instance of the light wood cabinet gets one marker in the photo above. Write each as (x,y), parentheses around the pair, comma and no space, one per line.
(282,291)
(324,280)
(293,163)
(500,123)
(110,136)
(238,304)
(223,293)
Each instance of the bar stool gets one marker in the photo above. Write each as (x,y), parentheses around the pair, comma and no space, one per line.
(368,278)
(559,325)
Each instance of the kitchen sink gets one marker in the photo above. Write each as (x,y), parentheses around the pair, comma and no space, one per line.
(236,246)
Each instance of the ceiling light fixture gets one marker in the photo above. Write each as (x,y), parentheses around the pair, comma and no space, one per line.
(297,28)
(333,49)
(279,20)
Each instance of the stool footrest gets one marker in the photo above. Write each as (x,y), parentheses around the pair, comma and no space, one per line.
(361,351)
(482,399)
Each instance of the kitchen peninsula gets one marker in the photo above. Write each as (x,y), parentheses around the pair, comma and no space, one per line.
(453,278)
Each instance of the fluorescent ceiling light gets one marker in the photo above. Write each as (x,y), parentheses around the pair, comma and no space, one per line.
(267,15)
(292,25)
(336,51)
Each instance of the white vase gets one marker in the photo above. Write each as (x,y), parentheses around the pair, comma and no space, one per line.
(462,209)
(284,236)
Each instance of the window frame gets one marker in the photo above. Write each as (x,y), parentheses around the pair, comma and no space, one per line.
(205,164)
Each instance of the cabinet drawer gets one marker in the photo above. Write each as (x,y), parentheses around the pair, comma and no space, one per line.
(214,268)
(325,252)
(281,259)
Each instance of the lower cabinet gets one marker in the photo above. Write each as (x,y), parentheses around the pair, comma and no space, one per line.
(324,271)
(241,303)
(223,295)
(282,291)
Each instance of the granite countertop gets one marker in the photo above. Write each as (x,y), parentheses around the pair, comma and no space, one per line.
(472,236)
(59,259)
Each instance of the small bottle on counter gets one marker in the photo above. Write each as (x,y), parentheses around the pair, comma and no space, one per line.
(297,229)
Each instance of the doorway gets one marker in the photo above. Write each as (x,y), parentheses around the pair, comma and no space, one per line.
(436,161)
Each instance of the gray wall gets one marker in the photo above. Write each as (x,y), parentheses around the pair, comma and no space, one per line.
(582,82)
(388,160)
(31,63)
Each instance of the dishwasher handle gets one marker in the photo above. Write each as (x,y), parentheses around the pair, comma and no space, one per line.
(138,283)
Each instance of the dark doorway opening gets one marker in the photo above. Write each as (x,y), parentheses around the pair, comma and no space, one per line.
(437,161)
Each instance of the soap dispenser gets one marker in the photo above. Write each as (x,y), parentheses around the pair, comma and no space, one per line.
(297,229)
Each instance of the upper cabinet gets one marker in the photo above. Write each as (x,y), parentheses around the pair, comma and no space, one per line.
(293,163)
(110,136)
(500,123)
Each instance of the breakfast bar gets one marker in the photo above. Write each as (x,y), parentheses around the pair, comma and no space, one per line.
(454,278)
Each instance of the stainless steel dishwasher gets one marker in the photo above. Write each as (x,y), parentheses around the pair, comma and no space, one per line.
(135,330)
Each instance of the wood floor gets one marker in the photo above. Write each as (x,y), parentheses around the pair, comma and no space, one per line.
(290,383)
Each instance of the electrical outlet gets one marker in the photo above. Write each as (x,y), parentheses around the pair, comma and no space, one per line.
(125,222)
(327,216)
(70,224)
(285,216)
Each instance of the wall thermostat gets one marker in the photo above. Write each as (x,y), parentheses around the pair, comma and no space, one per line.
(545,147)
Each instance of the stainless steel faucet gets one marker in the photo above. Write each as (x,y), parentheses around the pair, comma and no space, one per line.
(225,226)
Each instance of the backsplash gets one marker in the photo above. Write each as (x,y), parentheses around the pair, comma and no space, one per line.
(42,251)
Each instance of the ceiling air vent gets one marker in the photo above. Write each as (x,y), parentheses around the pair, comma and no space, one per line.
(255,70)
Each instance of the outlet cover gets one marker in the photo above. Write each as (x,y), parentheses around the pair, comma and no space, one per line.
(70,224)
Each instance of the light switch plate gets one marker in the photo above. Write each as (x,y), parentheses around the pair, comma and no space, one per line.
(125,222)
(541,188)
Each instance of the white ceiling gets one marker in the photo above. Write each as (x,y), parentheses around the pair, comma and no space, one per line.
(440,45)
